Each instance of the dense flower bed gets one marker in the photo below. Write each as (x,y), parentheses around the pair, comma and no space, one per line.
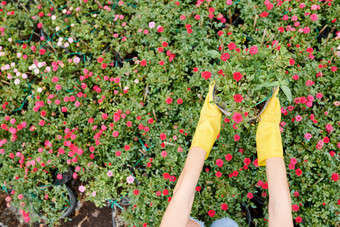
(114,90)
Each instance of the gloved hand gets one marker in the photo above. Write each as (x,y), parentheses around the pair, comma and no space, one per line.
(209,124)
(268,136)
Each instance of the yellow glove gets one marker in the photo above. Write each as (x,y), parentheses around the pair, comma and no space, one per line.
(268,136)
(209,124)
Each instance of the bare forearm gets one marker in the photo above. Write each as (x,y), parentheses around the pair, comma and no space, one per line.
(178,211)
(280,208)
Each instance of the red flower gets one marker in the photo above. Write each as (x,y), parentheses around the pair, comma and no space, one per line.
(291,61)
(136,192)
(224,206)
(100,59)
(295,207)
(165,192)
(228,157)
(225,56)
(246,161)
(237,76)
(168,100)
(237,137)
(231,46)
(143,62)
(127,147)
(219,162)
(179,101)
(250,195)
(298,219)
(42,51)
(166,176)
(335,176)
(211,213)
(161,63)
(195,69)
(160,29)
(206,74)
(198,188)
(298,172)
(238,98)
(218,174)
(162,136)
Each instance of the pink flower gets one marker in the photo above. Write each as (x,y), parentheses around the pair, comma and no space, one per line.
(237,117)
(306,30)
(308,136)
(298,117)
(109,174)
(55,79)
(164,154)
(314,17)
(329,128)
(319,95)
(81,188)
(295,77)
(253,50)
(115,134)
(130,179)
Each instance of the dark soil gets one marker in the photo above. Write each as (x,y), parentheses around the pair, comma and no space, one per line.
(89,215)
(6,216)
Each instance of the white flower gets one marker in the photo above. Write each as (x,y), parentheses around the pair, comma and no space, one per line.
(12,64)
(24,76)
(94,15)
(39,89)
(19,55)
(136,81)
(72,25)
(15,70)
(71,8)
(33,66)
(60,39)
(53,17)
(36,71)
(40,64)
(48,69)
(10,40)
(66,44)
(64,10)
(17,81)
(70,40)
(76,60)
(152,24)
(7,67)
(57,28)
(59,44)
(18,74)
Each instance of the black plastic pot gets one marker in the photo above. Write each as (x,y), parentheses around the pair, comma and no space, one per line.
(68,210)
(227,112)
(67,176)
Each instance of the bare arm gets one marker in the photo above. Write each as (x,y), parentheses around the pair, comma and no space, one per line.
(178,211)
(280,207)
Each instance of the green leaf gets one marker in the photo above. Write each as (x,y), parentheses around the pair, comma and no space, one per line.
(213,53)
(287,92)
